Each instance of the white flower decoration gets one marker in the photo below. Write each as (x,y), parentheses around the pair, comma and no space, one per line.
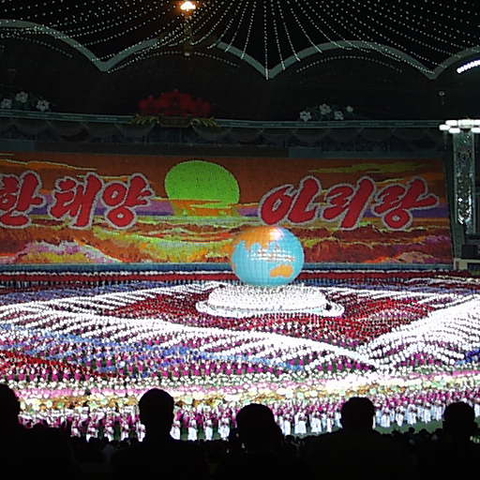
(6,103)
(305,115)
(338,115)
(43,105)
(349,109)
(325,109)
(21,97)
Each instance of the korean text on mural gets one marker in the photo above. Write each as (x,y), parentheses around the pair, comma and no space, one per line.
(73,199)
(346,203)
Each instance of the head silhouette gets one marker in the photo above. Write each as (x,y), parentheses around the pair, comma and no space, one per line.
(459,420)
(9,407)
(357,414)
(156,411)
(257,427)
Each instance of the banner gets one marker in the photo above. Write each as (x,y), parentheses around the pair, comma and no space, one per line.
(88,208)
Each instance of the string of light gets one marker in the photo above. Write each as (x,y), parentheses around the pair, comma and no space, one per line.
(430,24)
(13,34)
(329,37)
(277,39)
(214,28)
(169,53)
(299,24)
(287,31)
(232,19)
(249,30)
(239,23)
(396,32)
(352,30)
(362,58)
(383,37)
(428,31)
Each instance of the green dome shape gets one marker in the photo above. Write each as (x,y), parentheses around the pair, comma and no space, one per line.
(202,181)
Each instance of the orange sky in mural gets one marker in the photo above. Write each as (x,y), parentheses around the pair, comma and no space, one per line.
(281,171)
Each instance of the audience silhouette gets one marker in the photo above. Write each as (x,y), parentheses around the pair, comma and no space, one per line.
(159,455)
(459,422)
(9,411)
(256,448)
(453,454)
(12,434)
(24,453)
(357,450)
(257,429)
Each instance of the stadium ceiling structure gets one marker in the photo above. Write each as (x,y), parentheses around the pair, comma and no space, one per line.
(270,35)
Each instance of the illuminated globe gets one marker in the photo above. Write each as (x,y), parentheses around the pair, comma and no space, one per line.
(267,256)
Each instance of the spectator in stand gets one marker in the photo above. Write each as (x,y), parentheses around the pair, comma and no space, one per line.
(453,455)
(356,450)
(159,455)
(258,450)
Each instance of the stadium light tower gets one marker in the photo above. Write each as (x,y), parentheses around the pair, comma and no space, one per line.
(463,132)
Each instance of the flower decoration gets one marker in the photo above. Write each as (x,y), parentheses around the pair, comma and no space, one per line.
(325,109)
(6,103)
(305,115)
(327,112)
(21,97)
(43,105)
(24,101)
(175,104)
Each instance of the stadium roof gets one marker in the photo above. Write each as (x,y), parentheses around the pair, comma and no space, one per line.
(253,59)
(270,35)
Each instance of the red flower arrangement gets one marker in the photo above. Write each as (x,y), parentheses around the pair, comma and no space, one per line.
(175,104)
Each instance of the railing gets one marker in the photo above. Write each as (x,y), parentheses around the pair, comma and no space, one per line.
(226,123)
(350,135)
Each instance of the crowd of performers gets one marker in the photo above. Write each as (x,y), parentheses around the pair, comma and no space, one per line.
(84,365)
(297,417)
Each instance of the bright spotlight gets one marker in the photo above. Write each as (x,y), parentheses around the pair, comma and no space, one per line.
(188,6)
